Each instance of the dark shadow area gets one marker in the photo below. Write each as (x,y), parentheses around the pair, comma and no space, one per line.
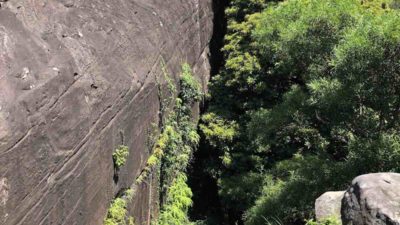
(206,203)
(217,40)
(116,175)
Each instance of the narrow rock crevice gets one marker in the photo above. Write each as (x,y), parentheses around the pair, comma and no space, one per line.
(217,40)
(206,203)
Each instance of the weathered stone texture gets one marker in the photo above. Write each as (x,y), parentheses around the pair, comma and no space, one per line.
(77,79)
(372,199)
(328,205)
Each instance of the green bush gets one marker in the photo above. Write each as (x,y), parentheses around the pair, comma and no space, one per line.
(117,212)
(190,88)
(178,201)
(120,156)
(280,196)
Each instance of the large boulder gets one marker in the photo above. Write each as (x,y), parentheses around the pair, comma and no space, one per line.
(328,205)
(372,199)
(77,79)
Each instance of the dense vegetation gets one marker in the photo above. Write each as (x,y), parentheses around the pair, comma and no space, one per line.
(307,100)
(171,153)
(177,144)
(117,212)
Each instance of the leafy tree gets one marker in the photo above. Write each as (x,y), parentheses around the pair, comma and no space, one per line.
(308,99)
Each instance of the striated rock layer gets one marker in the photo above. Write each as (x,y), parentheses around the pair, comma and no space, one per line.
(77,79)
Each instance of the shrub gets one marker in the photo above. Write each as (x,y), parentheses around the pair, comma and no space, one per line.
(179,200)
(190,88)
(117,212)
(120,156)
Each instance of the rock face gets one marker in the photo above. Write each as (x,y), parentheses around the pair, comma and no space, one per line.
(328,205)
(77,79)
(372,199)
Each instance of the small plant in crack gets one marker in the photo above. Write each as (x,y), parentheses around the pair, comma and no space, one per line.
(165,98)
(120,155)
(190,91)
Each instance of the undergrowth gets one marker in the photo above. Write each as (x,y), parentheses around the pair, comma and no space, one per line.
(117,212)
(170,156)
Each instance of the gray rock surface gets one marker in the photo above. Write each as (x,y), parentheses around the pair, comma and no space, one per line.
(77,79)
(372,199)
(328,205)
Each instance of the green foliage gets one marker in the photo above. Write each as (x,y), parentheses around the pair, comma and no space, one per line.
(117,212)
(377,154)
(171,153)
(166,99)
(131,221)
(129,193)
(190,91)
(176,143)
(307,100)
(281,196)
(120,156)
(170,82)
(378,6)
(241,188)
(173,150)
(179,200)
(217,130)
(176,146)
(329,221)
(180,137)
